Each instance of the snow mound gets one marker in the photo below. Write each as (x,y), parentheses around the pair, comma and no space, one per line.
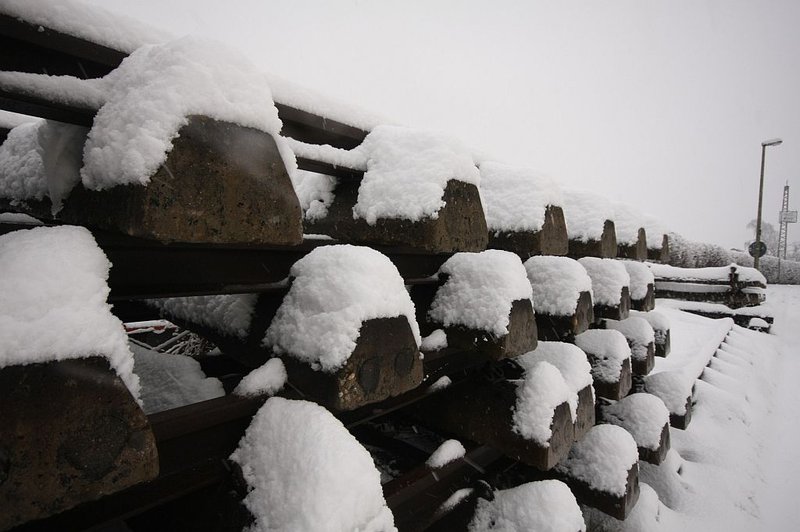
(229,314)
(479,290)
(608,276)
(545,506)
(171,381)
(569,360)
(296,484)
(53,305)
(539,392)
(586,213)
(268,379)
(602,459)
(609,348)
(637,331)
(407,172)
(627,222)
(334,289)
(557,283)
(642,414)
(516,198)
(315,192)
(434,341)
(149,97)
(672,388)
(448,451)
(641,276)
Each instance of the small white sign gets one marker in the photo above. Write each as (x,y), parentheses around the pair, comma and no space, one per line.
(788,217)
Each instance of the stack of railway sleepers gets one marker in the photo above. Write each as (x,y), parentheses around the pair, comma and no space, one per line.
(246,273)
(734,286)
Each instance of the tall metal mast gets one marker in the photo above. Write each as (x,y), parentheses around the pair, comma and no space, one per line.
(784,223)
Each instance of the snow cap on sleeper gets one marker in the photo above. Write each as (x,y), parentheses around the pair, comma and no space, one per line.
(635,329)
(608,276)
(557,283)
(53,301)
(448,451)
(672,387)
(602,459)
(516,198)
(586,213)
(657,320)
(545,506)
(296,483)
(334,289)
(479,290)
(539,392)
(643,415)
(609,347)
(627,222)
(267,379)
(641,276)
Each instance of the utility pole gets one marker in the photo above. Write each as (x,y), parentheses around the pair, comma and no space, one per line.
(758,249)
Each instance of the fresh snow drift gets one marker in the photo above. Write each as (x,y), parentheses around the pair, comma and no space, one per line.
(297,483)
(557,283)
(53,305)
(334,290)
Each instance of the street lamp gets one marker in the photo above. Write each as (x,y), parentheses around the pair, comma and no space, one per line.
(770,142)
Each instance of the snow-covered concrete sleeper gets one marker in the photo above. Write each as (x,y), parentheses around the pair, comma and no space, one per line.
(590,225)
(610,287)
(610,358)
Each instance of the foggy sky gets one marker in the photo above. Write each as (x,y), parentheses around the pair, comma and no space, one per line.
(658,104)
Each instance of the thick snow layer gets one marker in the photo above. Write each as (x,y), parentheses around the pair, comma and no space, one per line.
(315,192)
(151,94)
(41,159)
(228,314)
(641,276)
(657,320)
(635,329)
(334,289)
(448,451)
(569,360)
(480,290)
(18,218)
(170,381)
(718,273)
(627,222)
(557,283)
(545,506)
(672,388)
(516,198)
(539,392)
(757,322)
(586,213)
(602,459)
(642,414)
(609,348)
(407,172)
(53,305)
(88,22)
(268,379)
(434,341)
(655,231)
(9,120)
(701,306)
(608,276)
(86,94)
(296,484)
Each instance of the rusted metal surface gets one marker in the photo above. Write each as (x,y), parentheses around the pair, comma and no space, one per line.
(605,248)
(565,328)
(551,239)
(71,433)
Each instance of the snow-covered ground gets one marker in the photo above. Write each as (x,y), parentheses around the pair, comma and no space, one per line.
(737,466)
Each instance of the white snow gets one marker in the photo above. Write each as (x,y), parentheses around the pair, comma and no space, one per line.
(545,506)
(9,120)
(702,306)
(299,484)
(539,392)
(657,320)
(479,290)
(440,384)
(448,451)
(586,213)
(608,276)
(569,360)
(53,305)
(455,499)
(170,381)
(718,273)
(41,159)
(641,276)
(407,172)
(557,283)
(434,341)
(334,289)
(627,222)
(642,414)
(88,22)
(268,379)
(672,388)
(515,197)
(602,459)
(610,350)
(757,322)
(637,332)
(229,314)
(18,218)
(315,192)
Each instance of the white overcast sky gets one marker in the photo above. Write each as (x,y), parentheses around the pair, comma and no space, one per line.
(662,104)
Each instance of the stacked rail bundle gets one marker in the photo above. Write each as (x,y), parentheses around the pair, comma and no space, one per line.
(734,286)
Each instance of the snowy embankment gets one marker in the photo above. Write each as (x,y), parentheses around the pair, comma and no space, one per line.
(736,466)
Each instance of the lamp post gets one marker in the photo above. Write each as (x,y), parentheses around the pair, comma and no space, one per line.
(770,142)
